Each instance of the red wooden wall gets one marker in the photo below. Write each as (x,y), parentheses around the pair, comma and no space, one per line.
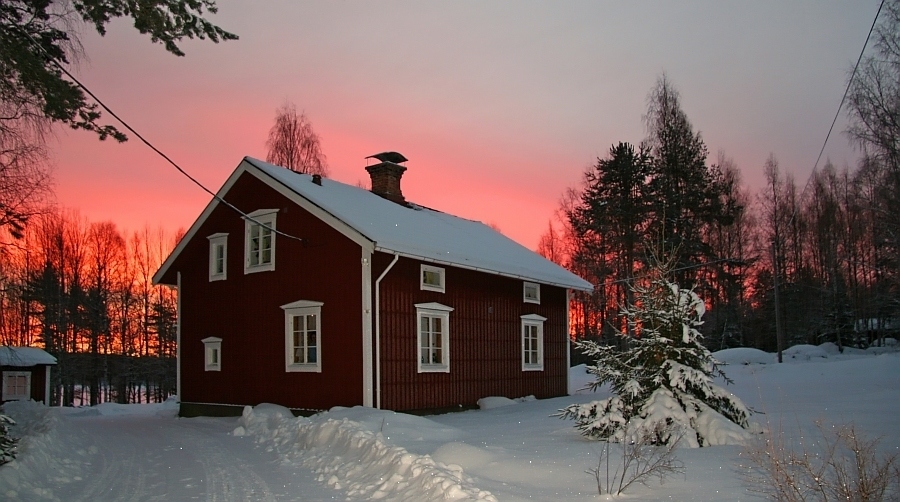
(244,310)
(485,339)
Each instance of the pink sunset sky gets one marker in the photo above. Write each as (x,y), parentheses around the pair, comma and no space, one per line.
(500,106)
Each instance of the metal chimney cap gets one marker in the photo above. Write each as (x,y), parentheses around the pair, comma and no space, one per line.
(392,157)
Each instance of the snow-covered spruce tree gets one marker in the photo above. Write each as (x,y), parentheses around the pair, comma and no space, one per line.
(7,443)
(662,383)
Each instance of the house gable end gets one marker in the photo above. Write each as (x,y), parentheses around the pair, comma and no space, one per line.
(166,273)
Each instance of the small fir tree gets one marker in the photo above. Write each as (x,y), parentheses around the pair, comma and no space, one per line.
(662,383)
(7,443)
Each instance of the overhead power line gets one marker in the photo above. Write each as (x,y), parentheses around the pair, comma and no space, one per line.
(840,106)
(150,145)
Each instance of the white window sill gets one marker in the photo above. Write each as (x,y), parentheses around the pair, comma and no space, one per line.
(533,367)
(303,368)
(434,368)
(259,268)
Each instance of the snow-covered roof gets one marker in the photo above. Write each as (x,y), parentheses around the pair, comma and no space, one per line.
(423,233)
(24,356)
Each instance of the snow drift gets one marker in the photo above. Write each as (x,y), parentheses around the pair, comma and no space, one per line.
(349,456)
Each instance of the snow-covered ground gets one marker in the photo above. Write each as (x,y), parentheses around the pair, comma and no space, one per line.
(508,450)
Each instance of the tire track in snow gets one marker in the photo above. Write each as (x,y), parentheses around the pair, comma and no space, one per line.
(140,458)
(227,478)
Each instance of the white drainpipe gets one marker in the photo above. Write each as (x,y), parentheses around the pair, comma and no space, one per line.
(378,331)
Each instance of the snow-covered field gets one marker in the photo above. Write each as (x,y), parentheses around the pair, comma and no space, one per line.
(508,450)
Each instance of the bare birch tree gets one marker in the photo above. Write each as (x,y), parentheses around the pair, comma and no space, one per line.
(294,144)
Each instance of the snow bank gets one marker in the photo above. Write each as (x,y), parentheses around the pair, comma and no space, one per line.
(169,408)
(48,453)
(744,355)
(487,403)
(579,379)
(352,456)
(805,352)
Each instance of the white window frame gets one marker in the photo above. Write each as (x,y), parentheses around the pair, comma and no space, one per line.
(212,353)
(537,291)
(537,322)
(431,287)
(215,242)
(433,310)
(264,219)
(16,374)
(296,309)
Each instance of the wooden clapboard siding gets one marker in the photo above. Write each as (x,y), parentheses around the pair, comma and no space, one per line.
(485,339)
(244,310)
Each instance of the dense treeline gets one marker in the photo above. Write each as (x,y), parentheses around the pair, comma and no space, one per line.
(830,246)
(83,291)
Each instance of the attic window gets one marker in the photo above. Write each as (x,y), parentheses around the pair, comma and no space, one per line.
(431,278)
(531,292)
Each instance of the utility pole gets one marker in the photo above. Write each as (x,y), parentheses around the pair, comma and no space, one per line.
(779,330)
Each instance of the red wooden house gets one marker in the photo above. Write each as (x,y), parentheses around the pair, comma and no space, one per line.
(26,374)
(310,293)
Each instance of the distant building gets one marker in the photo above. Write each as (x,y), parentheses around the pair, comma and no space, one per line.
(26,374)
(327,294)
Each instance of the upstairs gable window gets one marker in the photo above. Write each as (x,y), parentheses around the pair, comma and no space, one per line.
(259,242)
(218,257)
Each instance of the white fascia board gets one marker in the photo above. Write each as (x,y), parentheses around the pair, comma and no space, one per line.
(485,270)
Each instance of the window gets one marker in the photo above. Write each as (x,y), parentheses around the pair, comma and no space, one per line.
(431,278)
(16,385)
(218,256)
(259,243)
(303,336)
(433,321)
(531,292)
(533,342)
(212,348)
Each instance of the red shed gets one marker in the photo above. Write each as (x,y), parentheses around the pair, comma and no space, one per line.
(26,374)
(310,293)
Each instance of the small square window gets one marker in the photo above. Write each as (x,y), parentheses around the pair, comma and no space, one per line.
(212,348)
(218,257)
(531,292)
(16,385)
(431,278)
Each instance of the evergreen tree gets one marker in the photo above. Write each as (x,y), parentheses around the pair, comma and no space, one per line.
(662,383)
(610,218)
(7,443)
(684,191)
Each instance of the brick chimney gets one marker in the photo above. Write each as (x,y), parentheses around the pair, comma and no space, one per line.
(386,176)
